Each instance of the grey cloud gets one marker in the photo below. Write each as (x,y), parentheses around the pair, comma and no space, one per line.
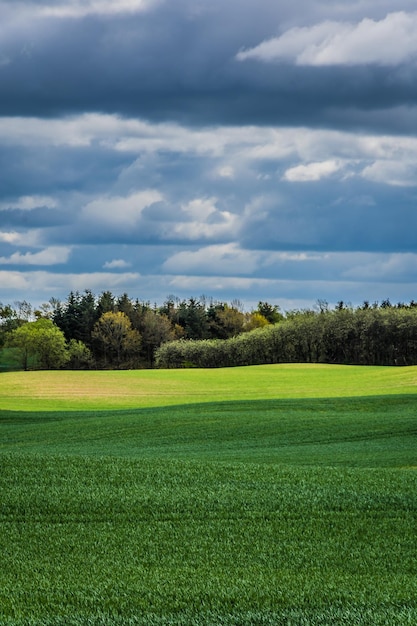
(334,218)
(249,201)
(37,218)
(329,205)
(174,63)
(46,170)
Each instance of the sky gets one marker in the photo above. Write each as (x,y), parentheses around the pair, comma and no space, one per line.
(237,149)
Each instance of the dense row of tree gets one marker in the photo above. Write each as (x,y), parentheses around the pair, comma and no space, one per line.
(383,335)
(87,331)
(110,332)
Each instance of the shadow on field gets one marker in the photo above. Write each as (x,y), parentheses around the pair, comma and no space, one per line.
(378,431)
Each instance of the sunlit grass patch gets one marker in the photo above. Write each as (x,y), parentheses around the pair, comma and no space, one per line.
(71,390)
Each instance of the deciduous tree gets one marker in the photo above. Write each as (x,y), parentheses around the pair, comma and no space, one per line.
(155,330)
(117,341)
(80,356)
(39,344)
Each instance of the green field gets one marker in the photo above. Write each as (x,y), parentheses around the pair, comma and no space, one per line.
(271,495)
(51,391)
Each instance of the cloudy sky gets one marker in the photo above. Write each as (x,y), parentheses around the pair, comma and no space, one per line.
(241,149)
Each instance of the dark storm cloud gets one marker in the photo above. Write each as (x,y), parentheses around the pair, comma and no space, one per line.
(178,61)
(181,146)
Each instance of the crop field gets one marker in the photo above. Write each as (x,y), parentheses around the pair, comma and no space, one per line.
(270,495)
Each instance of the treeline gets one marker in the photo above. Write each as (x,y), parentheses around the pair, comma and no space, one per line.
(368,335)
(86,332)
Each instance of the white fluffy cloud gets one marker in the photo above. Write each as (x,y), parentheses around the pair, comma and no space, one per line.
(231,150)
(200,209)
(9,237)
(49,256)
(30,238)
(392,267)
(116,264)
(221,259)
(121,211)
(389,41)
(231,260)
(82,8)
(312,171)
(390,172)
(201,219)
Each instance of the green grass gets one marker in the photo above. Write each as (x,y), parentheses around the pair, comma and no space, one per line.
(52,391)
(269,496)
(369,432)
(105,541)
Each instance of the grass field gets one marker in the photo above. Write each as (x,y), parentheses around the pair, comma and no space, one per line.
(253,496)
(51,391)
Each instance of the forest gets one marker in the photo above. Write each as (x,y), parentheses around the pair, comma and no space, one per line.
(108,332)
